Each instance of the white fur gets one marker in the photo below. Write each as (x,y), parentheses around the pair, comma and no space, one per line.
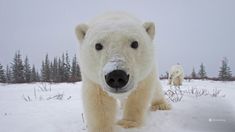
(176,75)
(115,32)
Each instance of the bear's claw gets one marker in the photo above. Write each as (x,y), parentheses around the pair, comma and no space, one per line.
(127,124)
(163,106)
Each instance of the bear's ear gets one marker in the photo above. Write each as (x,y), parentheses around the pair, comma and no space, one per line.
(150,29)
(81,32)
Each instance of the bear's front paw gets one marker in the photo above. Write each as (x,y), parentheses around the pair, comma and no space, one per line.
(128,124)
(162,106)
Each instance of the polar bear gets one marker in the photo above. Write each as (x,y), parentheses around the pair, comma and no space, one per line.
(176,75)
(116,57)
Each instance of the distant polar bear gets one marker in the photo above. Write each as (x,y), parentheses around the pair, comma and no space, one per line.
(176,75)
(116,57)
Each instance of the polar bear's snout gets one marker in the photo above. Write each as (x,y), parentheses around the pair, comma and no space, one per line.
(117,76)
(117,79)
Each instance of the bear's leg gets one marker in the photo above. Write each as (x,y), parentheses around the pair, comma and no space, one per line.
(135,108)
(100,109)
(137,104)
(159,102)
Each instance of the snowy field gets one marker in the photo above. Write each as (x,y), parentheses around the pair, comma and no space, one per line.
(200,106)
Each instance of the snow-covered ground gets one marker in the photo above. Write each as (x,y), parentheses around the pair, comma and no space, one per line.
(58,108)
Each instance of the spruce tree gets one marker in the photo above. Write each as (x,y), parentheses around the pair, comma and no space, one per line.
(8,75)
(79,73)
(2,74)
(193,74)
(17,69)
(67,68)
(202,72)
(38,78)
(55,70)
(51,71)
(74,77)
(27,70)
(45,70)
(33,75)
(75,70)
(225,73)
(60,71)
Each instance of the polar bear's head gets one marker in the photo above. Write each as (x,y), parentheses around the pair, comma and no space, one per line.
(116,52)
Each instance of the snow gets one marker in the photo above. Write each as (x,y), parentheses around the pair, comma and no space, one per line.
(46,112)
(116,62)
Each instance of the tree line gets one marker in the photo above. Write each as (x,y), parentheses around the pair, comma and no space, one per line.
(57,70)
(61,70)
(224,74)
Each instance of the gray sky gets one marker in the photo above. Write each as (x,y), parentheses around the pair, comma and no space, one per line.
(188,31)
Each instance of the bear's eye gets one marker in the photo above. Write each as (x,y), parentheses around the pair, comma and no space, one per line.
(134,45)
(98,46)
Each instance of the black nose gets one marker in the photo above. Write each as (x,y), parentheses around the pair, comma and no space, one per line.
(117,79)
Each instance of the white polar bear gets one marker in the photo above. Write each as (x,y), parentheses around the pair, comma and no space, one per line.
(117,60)
(176,75)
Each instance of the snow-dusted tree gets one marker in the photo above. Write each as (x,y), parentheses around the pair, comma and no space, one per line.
(45,71)
(51,69)
(33,75)
(43,74)
(17,69)
(202,72)
(225,72)
(27,70)
(193,74)
(8,75)
(67,68)
(74,69)
(75,75)
(38,76)
(47,68)
(54,70)
(60,71)
(79,73)
(2,74)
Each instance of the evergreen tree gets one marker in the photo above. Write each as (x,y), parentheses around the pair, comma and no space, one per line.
(225,72)
(74,77)
(45,71)
(2,75)
(79,73)
(193,74)
(55,73)
(202,72)
(67,68)
(47,68)
(60,71)
(63,68)
(8,75)
(17,69)
(33,75)
(51,71)
(37,77)
(75,70)
(27,70)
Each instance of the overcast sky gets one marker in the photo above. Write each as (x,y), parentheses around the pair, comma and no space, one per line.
(188,31)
